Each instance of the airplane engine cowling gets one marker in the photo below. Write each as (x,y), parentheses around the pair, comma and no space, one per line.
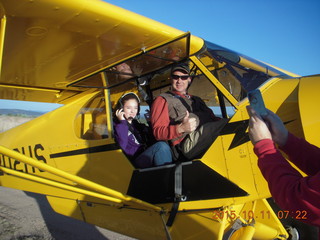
(309,101)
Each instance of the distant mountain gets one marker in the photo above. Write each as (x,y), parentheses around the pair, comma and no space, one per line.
(19,112)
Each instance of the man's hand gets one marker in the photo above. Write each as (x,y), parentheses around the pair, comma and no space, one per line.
(277,128)
(188,125)
(258,129)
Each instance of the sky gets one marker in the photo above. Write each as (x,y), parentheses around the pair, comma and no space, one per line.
(283,33)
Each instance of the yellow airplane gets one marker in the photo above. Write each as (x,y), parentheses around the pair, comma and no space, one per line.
(69,52)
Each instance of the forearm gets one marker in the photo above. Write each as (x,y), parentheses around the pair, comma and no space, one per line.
(165,133)
(289,189)
(303,154)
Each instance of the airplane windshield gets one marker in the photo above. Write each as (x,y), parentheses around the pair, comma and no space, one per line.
(238,73)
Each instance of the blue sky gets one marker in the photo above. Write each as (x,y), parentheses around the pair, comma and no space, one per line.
(284,33)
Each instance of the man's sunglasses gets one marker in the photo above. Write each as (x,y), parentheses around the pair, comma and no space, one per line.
(183,77)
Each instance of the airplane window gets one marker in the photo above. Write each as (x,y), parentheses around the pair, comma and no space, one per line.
(91,121)
(201,86)
(228,78)
(237,73)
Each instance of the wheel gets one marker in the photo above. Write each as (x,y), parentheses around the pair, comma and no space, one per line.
(293,233)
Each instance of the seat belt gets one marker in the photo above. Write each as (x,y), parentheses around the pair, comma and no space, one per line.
(178,197)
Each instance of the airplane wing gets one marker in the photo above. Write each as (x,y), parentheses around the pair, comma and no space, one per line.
(46,46)
(52,51)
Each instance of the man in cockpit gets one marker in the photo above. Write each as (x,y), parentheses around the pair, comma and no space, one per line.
(183,120)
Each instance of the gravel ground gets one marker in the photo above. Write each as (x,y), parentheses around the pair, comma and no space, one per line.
(28,216)
(7,122)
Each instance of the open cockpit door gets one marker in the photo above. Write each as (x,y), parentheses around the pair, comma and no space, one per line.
(140,65)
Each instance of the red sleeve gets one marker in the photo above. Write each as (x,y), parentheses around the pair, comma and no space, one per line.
(303,154)
(288,187)
(162,130)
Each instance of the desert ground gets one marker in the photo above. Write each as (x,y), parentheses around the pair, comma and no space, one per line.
(7,122)
(28,216)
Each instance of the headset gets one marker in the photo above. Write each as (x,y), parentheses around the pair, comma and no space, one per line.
(121,100)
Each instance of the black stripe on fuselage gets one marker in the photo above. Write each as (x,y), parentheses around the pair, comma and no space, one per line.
(102,148)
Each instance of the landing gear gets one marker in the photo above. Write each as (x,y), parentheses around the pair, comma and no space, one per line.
(293,233)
